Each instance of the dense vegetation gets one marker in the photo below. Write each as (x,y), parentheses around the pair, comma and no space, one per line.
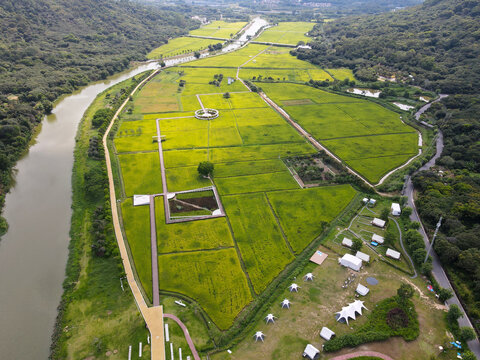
(52,47)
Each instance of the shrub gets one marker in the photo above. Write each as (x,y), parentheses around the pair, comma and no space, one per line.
(444,294)
(205,168)
(397,318)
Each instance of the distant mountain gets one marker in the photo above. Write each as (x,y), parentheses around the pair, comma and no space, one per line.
(51,47)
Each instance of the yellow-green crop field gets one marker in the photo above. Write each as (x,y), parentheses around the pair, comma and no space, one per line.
(287,33)
(224,263)
(179,46)
(219,29)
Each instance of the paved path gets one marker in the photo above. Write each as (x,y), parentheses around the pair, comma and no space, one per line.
(153,316)
(362,353)
(403,247)
(153,246)
(185,332)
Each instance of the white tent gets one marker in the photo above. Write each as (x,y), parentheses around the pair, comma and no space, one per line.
(326,333)
(308,277)
(350,311)
(294,287)
(259,336)
(351,262)
(362,290)
(393,254)
(365,200)
(311,352)
(270,318)
(378,239)
(372,202)
(362,256)
(286,304)
(347,242)
(378,222)
(396,211)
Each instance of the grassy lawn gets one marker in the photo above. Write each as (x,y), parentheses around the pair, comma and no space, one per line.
(287,33)
(304,213)
(212,278)
(181,45)
(263,248)
(220,29)
(141,173)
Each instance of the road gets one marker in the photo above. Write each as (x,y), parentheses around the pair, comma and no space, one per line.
(437,271)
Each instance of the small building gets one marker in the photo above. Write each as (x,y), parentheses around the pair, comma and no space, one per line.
(318,257)
(378,239)
(393,254)
(362,256)
(378,222)
(351,262)
(139,200)
(311,352)
(372,202)
(396,211)
(362,290)
(365,201)
(326,333)
(347,242)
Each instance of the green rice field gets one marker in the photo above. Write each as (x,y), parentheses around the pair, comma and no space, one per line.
(287,33)
(219,29)
(179,46)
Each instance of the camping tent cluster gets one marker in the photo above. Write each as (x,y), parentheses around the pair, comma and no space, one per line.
(350,311)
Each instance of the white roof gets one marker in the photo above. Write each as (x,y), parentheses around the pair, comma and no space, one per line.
(351,262)
(393,254)
(378,222)
(326,333)
(362,256)
(362,290)
(377,238)
(141,200)
(365,200)
(311,351)
(396,208)
(372,201)
(347,242)
(351,311)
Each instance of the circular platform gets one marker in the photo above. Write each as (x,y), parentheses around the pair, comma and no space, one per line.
(206,114)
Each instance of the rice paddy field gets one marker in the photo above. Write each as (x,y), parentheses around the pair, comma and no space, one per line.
(224,263)
(219,29)
(179,46)
(287,33)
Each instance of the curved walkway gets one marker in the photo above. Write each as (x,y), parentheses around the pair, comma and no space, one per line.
(362,353)
(185,332)
(403,248)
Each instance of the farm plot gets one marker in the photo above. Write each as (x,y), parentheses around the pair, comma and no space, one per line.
(254,183)
(230,60)
(208,80)
(263,248)
(141,173)
(303,214)
(158,95)
(220,29)
(136,136)
(341,74)
(287,33)
(301,75)
(280,58)
(248,168)
(189,236)
(185,178)
(179,46)
(213,278)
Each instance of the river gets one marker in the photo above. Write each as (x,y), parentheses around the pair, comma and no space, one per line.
(34,252)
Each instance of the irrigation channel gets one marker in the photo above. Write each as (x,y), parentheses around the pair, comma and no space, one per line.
(33,253)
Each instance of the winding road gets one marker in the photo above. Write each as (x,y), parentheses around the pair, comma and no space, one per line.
(437,271)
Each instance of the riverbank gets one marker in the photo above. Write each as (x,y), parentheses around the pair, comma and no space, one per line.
(97,315)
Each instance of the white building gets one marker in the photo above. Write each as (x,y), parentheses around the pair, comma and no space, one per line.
(372,202)
(362,290)
(326,333)
(311,352)
(396,211)
(365,201)
(351,262)
(378,239)
(347,242)
(362,256)
(393,254)
(378,222)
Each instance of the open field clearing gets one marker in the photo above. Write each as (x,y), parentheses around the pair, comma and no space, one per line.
(193,235)
(181,45)
(280,58)
(301,75)
(315,304)
(213,278)
(263,248)
(136,136)
(136,222)
(180,158)
(304,213)
(254,183)
(341,74)
(287,33)
(158,95)
(220,29)
(141,173)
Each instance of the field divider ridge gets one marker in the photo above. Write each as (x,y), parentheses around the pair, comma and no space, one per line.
(279,225)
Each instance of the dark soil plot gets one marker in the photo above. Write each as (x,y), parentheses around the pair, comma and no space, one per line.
(205,203)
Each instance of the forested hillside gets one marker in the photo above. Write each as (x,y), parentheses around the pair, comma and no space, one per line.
(436,46)
(51,47)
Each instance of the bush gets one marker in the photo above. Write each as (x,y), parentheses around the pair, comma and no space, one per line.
(444,294)
(466,334)
(205,168)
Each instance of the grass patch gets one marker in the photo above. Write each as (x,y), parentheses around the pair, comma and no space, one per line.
(220,29)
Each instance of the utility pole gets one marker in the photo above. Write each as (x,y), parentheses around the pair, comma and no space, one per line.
(434,236)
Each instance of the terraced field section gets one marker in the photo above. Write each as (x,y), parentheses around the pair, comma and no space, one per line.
(287,33)
(221,263)
(368,137)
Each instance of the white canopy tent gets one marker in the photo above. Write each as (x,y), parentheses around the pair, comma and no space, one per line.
(286,304)
(393,254)
(270,318)
(308,277)
(378,239)
(326,333)
(362,290)
(350,311)
(311,352)
(259,336)
(351,262)
(378,222)
(293,287)
(347,242)
(396,210)
(362,256)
